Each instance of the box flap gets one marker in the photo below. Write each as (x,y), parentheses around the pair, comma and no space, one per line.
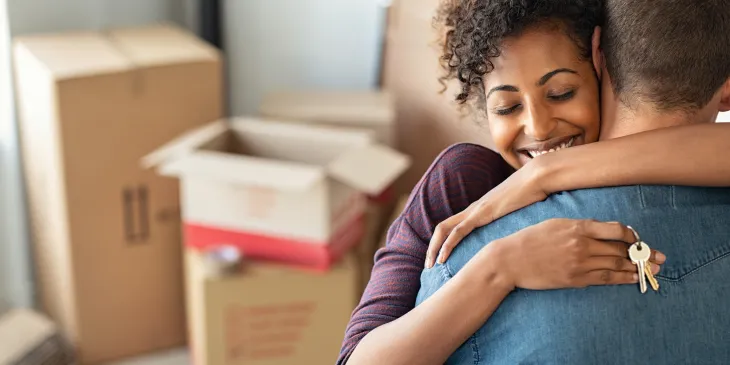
(370,169)
(184,144)
(157,45)
(245,170)
(71,55)
(332,107)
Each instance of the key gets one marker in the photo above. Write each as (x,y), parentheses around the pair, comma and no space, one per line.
(639,253)
(649,275)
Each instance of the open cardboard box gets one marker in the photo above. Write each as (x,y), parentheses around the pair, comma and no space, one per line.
(278,191)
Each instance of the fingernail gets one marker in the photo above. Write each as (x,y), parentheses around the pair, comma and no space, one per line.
(655,269)
(636,277)
(660,258)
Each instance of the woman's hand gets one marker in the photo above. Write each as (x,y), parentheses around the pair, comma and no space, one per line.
(519,190)
(569,253)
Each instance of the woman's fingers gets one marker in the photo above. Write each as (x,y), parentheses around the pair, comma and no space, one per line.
(477,216)
(457,234)
(607,231)
(657,257)
(614,263)
(619,234)
(609,277)
(440,234)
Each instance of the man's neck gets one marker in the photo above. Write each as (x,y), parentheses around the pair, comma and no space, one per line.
(623,121)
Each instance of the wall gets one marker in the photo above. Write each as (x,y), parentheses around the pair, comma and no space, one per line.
(428,121)
(285,44)
(31,16)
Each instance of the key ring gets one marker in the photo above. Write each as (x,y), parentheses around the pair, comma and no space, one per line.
(636,235)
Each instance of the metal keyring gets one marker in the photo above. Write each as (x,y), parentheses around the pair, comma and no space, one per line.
(636,235)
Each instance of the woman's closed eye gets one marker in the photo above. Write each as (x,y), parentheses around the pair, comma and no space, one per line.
(505,110)
(561,96)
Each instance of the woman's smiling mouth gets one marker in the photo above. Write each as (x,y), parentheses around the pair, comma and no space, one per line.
(553,145)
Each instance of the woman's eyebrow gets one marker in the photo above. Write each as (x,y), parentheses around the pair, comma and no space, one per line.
(545,78)
(509,88)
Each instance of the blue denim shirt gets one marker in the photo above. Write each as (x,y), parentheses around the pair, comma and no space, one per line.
(686,322)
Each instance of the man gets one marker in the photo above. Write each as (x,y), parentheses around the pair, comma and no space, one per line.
(652,77)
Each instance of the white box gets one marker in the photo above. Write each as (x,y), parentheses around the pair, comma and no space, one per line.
(276,185)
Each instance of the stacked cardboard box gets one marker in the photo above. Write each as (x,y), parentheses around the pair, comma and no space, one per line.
(268,314)
(372,110)
(293,199)
(278,191)
(106,233)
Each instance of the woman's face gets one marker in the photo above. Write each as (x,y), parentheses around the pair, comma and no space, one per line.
(541,96)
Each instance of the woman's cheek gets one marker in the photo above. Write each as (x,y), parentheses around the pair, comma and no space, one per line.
(500,132)
(505,132)
(585,115)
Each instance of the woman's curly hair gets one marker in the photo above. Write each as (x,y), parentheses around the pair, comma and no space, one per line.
(473,31)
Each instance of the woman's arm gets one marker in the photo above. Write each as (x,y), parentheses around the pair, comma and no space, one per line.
(555,254)
(459,176)
(696,155)
(431,332)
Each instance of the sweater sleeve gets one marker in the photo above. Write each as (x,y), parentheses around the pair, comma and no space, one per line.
(460,175)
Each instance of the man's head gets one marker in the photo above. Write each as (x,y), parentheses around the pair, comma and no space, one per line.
(666,56)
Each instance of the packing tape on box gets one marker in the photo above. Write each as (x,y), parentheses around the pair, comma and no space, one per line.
(222,261)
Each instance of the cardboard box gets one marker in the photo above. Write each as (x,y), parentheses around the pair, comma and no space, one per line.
(372,110)
(277,191)
(106,233)
(27,337)
(428,121)
(269,314)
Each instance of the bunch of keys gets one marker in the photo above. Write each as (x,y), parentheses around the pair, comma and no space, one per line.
(639,253)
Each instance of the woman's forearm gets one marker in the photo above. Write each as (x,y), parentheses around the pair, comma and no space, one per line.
(432,331)
(697,155)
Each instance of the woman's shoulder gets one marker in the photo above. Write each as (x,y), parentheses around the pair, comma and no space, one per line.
(460,175)
(465,155)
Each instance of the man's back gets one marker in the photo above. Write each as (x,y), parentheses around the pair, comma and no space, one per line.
(687,321)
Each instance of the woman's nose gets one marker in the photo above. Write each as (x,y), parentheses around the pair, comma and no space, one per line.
(537,122)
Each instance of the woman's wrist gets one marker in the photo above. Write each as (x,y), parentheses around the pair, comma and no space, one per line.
(544,172)
(493,262)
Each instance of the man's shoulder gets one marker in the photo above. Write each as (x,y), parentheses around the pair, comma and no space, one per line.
(634,197)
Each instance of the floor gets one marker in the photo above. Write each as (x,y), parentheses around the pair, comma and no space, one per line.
(171,357)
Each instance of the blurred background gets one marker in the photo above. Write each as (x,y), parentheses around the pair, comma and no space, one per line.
(206,181)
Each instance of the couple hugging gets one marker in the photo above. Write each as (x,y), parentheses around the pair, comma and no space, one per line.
(602,112)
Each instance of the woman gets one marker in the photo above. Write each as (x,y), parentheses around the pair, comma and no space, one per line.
(542,50)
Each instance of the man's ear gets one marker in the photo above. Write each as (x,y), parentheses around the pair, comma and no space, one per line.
(596,52)
(725,97)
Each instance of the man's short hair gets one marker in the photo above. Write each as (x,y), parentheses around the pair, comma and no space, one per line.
(674,54)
